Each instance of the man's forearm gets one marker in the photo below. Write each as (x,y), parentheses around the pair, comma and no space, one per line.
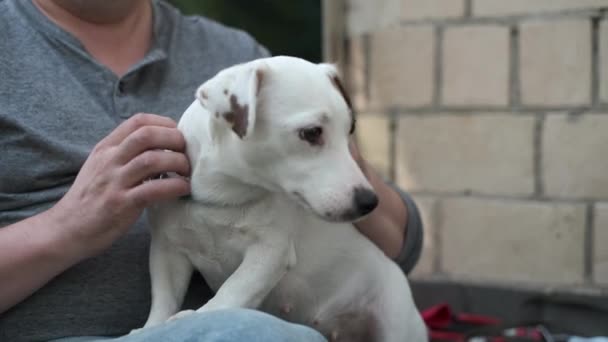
(386,225)
(32,252)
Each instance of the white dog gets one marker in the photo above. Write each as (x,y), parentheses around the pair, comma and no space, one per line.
(274,193)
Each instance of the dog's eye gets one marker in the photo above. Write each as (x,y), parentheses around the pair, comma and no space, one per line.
(312,135)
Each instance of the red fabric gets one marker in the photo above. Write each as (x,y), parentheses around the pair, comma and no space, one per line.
(439,316)
(477,319)
(446,336)
(445,325)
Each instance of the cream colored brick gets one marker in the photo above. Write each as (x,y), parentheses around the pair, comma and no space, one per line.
(364,16)
(600,240)
(374,141)
(510,7)
(555,62)
(573,152)
(513,241)
(490,154)
(603,60)
(426,206)
(401,67)
(476,65)
(430,9)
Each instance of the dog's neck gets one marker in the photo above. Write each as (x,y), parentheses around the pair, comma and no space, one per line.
(220,190)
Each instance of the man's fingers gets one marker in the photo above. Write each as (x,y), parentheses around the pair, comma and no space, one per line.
(152,163)
(159,190)
(150,138)
(132,124)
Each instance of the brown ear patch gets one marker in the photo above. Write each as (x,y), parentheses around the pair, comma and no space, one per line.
(338,84)
(238,116)
(260,78)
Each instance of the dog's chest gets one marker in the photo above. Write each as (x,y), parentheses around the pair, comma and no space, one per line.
(215,239)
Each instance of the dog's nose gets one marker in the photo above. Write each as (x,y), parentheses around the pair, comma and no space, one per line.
(365,201)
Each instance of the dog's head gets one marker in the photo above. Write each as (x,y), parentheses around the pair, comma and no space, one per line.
(284,124)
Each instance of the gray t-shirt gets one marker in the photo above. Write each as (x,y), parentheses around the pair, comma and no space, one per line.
(56,103)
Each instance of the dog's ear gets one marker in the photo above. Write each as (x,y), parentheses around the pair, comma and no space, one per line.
(232,96)
(334,76)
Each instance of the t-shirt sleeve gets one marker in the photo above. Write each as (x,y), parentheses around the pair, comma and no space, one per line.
(414,233)
(255,48)
(261,51)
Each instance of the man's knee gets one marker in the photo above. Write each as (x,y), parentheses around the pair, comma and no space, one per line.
(236,325)
(253,325)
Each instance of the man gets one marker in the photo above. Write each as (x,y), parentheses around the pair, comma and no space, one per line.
(74,243)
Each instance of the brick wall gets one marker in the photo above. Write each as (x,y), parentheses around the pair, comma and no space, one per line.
(494,114)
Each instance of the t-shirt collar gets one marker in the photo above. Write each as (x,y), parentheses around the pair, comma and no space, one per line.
(37,19)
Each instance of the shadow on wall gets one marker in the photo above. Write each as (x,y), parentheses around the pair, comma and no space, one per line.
(284,27)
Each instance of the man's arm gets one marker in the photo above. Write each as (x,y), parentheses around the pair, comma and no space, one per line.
(31,254)
(107,197)
(395,225)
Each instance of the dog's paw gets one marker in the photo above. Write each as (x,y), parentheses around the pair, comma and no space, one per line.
(180,314)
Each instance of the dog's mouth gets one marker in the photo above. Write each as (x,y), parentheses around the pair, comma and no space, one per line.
(302,201)
(350,216)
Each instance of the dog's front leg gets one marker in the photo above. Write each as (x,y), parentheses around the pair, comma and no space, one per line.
(263,265)
(170,273)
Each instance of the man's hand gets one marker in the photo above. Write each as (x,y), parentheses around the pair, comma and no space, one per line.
(107,197)
(385,226)
(354,151)
(111,191)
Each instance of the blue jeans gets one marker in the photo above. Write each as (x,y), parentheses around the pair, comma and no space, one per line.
(218,326)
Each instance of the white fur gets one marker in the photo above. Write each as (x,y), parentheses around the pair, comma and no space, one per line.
(257,244)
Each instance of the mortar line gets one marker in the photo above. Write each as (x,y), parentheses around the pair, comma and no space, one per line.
(514,63)
(524,110)
(595,60)
(544,287)
(346,64)
(588,249)
(367,46)
(468,9)
(507,20)
(539,185)
(437,264)
(503,197)
(438,67)
(392,121)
